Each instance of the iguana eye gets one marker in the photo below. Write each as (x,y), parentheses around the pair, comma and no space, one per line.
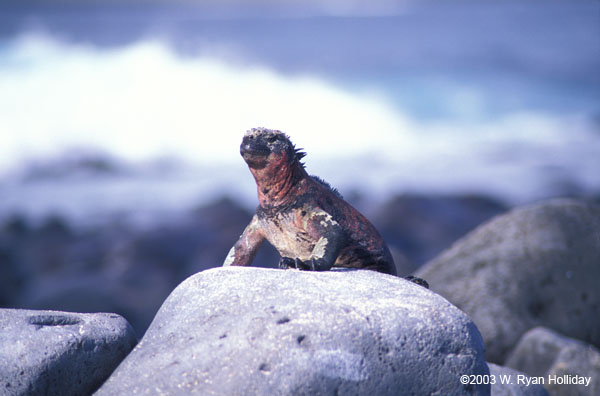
(271,139)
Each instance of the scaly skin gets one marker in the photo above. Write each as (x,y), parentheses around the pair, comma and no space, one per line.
(307,221)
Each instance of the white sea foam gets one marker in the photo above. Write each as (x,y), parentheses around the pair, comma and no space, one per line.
(142,101)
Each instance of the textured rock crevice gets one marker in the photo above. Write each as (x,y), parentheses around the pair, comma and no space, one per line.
(534,266)
(59,353)
(542,352)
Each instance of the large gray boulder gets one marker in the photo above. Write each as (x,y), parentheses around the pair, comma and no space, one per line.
(534,266)
(509,382)
(59,353)
(544,353)
(254,331)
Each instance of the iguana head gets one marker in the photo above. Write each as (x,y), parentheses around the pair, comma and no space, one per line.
(274,162)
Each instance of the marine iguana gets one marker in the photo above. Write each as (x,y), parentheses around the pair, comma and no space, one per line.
(302,216)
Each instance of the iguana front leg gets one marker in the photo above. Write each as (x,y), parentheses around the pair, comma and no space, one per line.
(244,250)
(331,240)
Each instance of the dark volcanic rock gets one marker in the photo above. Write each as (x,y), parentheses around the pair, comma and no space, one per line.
(59,353)
(543,352)
(254,331)
(513,387)
(11,278)
(117,267)
(535,266)
(422,226)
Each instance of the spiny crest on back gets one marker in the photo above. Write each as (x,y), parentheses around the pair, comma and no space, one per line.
(299,155)
(327,186)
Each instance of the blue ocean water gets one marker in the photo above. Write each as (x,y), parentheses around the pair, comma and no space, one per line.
(500,98)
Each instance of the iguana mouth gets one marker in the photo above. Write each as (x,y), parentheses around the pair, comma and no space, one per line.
(255,152)
(248,151)
(256,159)
(255,147)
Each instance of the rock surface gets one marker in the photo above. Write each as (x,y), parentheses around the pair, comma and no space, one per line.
(543,352)
(115,266)
(59,353)
(513,387)
(422,226)
(534,266)
(257,331)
